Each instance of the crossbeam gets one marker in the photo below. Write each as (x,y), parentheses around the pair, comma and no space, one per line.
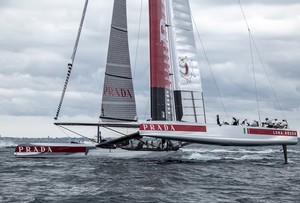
(113,124)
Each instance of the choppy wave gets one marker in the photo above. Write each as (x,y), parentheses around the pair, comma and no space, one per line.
(224,150)
(6,144)
(233,153)
(193,174)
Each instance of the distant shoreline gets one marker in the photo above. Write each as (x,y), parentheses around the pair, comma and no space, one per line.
(13,141)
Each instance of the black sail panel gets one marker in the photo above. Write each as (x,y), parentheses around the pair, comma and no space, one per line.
(118,100)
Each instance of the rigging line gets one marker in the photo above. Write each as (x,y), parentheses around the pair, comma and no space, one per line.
(272,88)
(70,65)
(244,16)
(77,133)
(63,131)
(60,128)
(211,72)
(138,38)
(258,53)
(116,131)
(254,77)
(252,60)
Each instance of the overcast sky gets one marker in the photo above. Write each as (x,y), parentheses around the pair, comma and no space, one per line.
(37,38)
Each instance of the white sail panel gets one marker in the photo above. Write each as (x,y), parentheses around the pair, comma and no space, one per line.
(182,42)
(189,105)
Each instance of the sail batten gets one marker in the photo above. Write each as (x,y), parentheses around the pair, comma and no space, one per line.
(118,100)
(117,76)
(119,28)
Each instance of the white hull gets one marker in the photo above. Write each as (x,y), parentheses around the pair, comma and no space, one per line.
(219,135)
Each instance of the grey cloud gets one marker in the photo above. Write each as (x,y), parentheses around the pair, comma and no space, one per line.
(38,39)
(229,2)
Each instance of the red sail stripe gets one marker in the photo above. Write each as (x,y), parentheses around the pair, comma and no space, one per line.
(274,132)
(173,127)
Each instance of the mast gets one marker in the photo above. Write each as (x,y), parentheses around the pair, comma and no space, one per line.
(118,100)
(70,65)
(160,82)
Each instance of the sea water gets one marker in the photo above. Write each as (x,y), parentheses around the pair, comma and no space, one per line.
(196,173)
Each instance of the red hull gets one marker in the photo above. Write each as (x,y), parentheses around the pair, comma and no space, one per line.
(51,149)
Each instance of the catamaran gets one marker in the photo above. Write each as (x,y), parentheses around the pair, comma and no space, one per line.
(177,101)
